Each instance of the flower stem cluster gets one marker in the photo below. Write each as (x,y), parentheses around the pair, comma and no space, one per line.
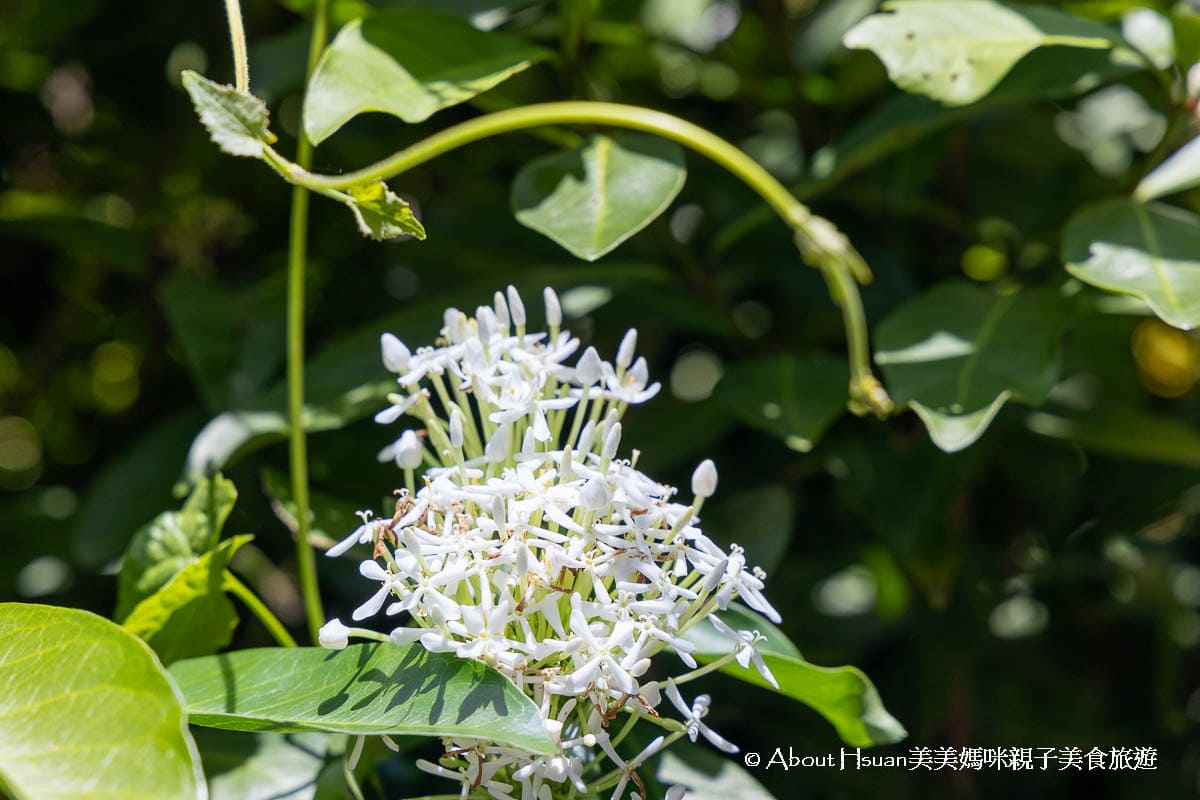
(534,546)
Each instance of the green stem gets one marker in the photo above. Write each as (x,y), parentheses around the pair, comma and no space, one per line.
(259,609)
(298,446)
(237,36)
(822,246)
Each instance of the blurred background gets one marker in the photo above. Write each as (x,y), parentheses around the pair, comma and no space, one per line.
(1041,588)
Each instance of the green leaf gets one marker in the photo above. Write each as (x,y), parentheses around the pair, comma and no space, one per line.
(591,199)
(843,695)
(1124,433)
(190,616)
(706,775)
(794,398)
(409,63)
(173,540)
(381,213)
(1178,172)
(364,689)
(1150,251)
(956,52)
(959,352)
(269,766)
(87,710)
(237,122)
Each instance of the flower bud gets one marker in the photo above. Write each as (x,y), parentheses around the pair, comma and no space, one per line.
(587,436)
(516,308)
(456,427)
(485,323)
(498,446)
(452,320)
(589,369)
(334,635)
(611,442)
(409,453)
(395,355)
(704,479)
(625,351)
(595,494)
(501,308)
(553,307)
(405,635)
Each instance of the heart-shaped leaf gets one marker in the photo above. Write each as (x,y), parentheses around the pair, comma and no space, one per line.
(956,52)
(87,711)
(1151,251)
(591,199)
(237,122)
(364,689)
(173,540)
(190,616)
(842,695)
(959,352)
(410,63)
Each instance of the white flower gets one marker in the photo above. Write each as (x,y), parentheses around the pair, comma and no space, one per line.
(694,715)
(744,642)
(532,546)
(334,635)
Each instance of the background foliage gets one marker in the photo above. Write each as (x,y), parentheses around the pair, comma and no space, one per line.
(1037,587)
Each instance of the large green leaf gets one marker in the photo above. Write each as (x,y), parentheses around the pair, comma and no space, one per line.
(190,616)
(959,352)
(271,766)
(795,398)
(1128,434)
(1151,251)
(842,695)
(956,52)
(87,711)
(706,775)
(591,199)
(173,540)
(237,122)
(410,63)
(366,688)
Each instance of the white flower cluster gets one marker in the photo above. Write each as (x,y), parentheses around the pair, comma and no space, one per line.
(532,547)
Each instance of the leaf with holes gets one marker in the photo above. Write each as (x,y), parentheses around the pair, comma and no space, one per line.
(959,352)
(237,122)
(1151,251)
(364,689)
(591,199)
(957,52)
(409,63)
(97,716)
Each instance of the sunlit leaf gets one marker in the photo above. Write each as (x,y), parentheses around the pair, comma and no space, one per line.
(959,352)
(1151,251)
(237,122)
(956,52)
(190,616)
(591,199)
(843,695)
(794,398)
(97,716)
(173,540)
(409,63)
(1178,172)
(381,213)
(366,688)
